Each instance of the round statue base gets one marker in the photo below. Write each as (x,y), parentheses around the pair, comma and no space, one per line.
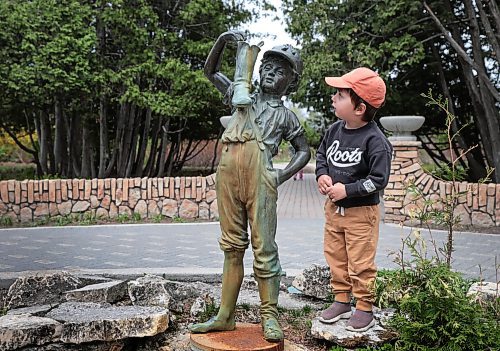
(246,337)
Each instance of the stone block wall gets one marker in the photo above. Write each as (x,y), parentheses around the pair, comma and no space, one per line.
(479,206)
(184,197)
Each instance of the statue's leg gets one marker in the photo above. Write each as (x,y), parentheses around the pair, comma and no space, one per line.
(269,293)
(234,237)
(263,219)
(231,283)
(245,63)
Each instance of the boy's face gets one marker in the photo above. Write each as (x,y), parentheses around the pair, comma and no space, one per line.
(343,105)
(275,77)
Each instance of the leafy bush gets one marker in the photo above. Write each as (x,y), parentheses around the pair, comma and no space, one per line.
(17,171)
(433,309)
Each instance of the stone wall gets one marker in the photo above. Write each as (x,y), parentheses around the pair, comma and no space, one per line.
(184,197)
(195,197)
(479,206)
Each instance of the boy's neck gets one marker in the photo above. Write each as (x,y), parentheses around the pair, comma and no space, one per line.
(355,124)
(270,97)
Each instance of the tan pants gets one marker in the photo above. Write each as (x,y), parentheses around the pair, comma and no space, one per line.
(350,244)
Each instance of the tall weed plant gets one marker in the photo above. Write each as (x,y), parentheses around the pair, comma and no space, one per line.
(442,210)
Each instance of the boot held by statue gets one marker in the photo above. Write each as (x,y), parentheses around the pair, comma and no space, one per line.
(245,63)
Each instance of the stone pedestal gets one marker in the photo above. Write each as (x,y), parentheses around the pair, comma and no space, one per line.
(246,337)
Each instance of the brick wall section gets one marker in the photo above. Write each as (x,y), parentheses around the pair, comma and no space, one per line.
(184,197)
(480,206)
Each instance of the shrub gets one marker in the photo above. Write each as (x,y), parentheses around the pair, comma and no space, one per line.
(17,171)
(433,309)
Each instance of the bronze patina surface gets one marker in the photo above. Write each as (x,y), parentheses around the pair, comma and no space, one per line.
(247,183)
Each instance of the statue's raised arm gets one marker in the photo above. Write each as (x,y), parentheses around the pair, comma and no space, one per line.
(214,59)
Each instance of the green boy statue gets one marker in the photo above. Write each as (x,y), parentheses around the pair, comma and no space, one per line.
(246,182)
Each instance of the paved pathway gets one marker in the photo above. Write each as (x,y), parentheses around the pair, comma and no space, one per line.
(194,246)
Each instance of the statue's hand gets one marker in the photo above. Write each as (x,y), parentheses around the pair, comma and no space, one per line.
(232,36)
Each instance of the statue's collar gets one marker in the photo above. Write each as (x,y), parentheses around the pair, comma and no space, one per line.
(273,102)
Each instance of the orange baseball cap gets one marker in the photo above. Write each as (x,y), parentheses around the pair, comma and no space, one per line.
(364,82)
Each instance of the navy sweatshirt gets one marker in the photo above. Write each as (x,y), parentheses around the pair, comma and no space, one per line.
(358,158)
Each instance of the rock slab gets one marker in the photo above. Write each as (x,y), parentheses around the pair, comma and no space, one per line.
(149,290)
(86,322)
(40,289)
(17,331)
(103,292)
(314,281)
(337,333)
(484,291)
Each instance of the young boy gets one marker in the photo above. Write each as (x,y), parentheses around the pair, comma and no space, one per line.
(352,167)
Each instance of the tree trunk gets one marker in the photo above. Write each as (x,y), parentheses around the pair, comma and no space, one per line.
(34,150)
(76,144)
(163,148)
(43,140)
(127,140)
(143,144)
(133,147)
(475,95)
(490,33)
(476,169)
(154,144)
(60,147)
(487,100)
(85,156)
(116,158)
(170,158)
(103,137)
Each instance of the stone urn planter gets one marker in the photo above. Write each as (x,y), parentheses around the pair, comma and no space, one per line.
(402,126)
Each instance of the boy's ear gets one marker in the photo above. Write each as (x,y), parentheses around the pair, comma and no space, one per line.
(360,109)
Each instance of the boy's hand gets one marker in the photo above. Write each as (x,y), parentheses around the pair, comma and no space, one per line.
(324,183)
(232,36)
(337,192)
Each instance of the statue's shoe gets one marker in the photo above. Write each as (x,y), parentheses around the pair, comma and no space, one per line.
(213,324)
(272,330)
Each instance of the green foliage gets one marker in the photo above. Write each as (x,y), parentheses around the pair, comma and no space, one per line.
(6,221)
(87,218)
(123,218)
(312,135)
(158,218)
(337,36)
(211,309)
(433,309)
(18,171)
(122,60)
(62,221)
(177,219)
(400,41)
(136,217)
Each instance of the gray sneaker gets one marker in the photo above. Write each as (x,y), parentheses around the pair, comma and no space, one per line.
(360,321)
(335,312)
